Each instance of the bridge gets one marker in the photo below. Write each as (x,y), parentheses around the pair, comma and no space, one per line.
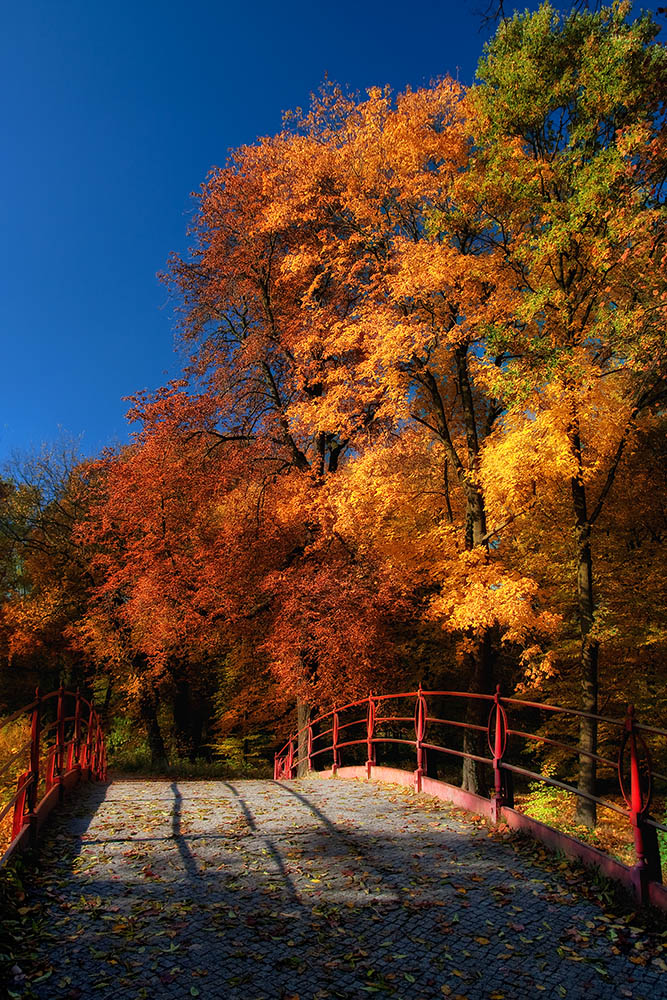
(317,887)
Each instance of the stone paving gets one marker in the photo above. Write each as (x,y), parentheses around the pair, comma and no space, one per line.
(312,889)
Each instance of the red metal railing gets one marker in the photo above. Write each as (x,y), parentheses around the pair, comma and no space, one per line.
(58,754)
(382,717)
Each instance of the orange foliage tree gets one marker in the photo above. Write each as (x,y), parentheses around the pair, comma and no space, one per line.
(201,555)
(334,296)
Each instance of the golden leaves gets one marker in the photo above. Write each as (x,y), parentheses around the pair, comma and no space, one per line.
(479,594)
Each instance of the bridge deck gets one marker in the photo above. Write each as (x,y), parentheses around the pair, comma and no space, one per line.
(312,889)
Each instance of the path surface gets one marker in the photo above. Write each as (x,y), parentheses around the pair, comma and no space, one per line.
(312,889)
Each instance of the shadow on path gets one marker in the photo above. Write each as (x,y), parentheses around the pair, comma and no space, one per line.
(351,843)
(312,889)
(271,847)
(186,854)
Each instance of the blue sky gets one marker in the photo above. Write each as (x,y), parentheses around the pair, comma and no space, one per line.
(112,114)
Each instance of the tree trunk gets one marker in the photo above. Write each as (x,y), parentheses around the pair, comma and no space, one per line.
(107,696)
(478,658)
(182,719)
(586,811)
(148,712)
(479,661)
(474,776)
(246,742)
(303,713)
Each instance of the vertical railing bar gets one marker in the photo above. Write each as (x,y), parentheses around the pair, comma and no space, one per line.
(33,791)
(98,746)
(335,752)
(89,737)
(648,867)
(77,732)
(60,742)
(370,733)
(502,779)
(420,732)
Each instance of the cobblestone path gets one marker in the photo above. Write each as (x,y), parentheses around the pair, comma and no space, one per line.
(312,889)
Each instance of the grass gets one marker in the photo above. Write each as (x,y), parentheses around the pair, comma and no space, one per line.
(138,764)
(556,807)
(231,757)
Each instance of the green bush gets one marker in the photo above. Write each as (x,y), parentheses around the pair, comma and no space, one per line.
(662,842)
(546,803)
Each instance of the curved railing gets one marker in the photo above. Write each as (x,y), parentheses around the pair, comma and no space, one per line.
(58,753)
(624,761)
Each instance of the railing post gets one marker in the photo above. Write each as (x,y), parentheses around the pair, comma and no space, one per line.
(19,819)
(92,760)
(290,760)
(420,732)
(33,790)
(310,746)
(370,733)
(648,866)
(98,748)
(88,752)
(100,754)
(335,763)
(502,795)
(93,750)
(76,755)
(60,742)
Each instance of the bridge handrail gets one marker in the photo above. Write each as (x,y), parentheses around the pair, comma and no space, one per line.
(466,725)
(633,754)
(53,766)
(22,785)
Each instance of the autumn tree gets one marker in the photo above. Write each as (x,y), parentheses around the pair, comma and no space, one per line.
(415,344)
(154,554)
(244,315)
(333,294)
(201,557)
(47,573)
(568,175)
